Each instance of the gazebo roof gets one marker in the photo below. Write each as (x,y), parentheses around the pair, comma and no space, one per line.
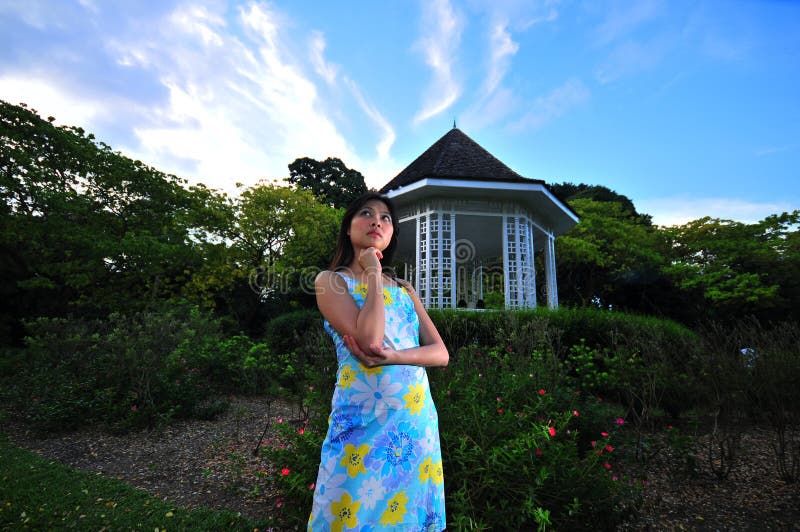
(456,156)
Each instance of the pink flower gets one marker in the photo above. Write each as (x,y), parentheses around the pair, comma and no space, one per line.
(310,388)
(604,434)
(620,421)
(279,502)
(593,443)
(551,431)
(542,392)
(499,410)
(133,408)
(499,399)
(301,431)
(609,449)
(614,477)
(669,427)
(538,452)
(575,413)
(280,420)
(607,465)
(312,486)
(285,471)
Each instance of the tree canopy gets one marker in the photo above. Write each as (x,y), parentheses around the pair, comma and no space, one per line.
(329,180)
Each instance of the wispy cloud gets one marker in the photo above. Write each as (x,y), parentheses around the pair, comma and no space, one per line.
(387,132)
(770,150)
(631,57)
(502,48)
(555,104)
(239,109)
(625,19)
(40,93)
(680,210)
(441,35)
(326,70)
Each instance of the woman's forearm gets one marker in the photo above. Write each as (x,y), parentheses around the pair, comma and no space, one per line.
(433,355)
(370,323)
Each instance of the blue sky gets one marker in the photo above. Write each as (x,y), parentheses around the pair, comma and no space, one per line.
(690,108)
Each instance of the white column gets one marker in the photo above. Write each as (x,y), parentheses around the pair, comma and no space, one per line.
(550,272)
(453,269)
(518,256)
(439,262)
(531,284)
(506,291)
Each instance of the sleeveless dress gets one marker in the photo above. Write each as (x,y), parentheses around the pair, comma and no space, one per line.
(381,463)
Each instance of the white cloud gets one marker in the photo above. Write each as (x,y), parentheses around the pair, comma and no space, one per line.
(239,108)
(326,71)
(502,49)
(680,210)
(441,36)
(51,98)
(557,103)
(620,22)
(631,57)
(387,132)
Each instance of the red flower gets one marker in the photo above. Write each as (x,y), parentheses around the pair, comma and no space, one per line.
(593,443)
(620,421)
(312,486)
(285,471)
(604,434)
(607,465)
(551,431)
(575,413)
(499,410)
(609,449)
(542,392)
(538,452)
(301,431)
(133,408)
(279,502)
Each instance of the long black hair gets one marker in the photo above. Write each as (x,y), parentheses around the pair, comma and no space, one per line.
(344,254)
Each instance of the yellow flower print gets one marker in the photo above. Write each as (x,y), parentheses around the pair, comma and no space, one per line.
(347,376)
(344,510)
(387,297)
(395,509)
(370,371)
(353,459)
(361,289)
(426,470)
(437,475)
(415,398)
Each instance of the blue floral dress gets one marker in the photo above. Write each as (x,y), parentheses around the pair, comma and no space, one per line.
(381,465)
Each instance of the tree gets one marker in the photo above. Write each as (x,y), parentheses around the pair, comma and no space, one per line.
(330,180)
(739,268)
(264,253)
(610,259)
(83,228)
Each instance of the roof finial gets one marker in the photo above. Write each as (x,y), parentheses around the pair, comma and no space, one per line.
(454,123)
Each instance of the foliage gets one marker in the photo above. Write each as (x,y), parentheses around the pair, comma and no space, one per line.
(330,180)
(267,254)
(739,268)
(134,370)
(82,228)
(44,495)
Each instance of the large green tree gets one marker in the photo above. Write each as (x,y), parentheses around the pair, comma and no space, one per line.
(610,259)
(83,228)
(329,180)
(739,268)
(263,259)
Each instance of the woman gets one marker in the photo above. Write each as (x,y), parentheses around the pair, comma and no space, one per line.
(381,465)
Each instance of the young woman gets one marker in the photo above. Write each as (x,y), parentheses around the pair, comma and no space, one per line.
(381,464)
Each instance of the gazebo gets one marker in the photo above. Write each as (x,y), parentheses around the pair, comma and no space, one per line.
(469,222)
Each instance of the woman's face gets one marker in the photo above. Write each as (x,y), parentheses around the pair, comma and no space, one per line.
(371,226)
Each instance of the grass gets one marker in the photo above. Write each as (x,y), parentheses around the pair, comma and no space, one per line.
(40,494)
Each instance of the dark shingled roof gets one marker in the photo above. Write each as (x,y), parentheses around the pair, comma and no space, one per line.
(455,156)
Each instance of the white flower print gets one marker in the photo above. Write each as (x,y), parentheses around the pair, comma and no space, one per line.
(377,395)
(429,441)
(370,492)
